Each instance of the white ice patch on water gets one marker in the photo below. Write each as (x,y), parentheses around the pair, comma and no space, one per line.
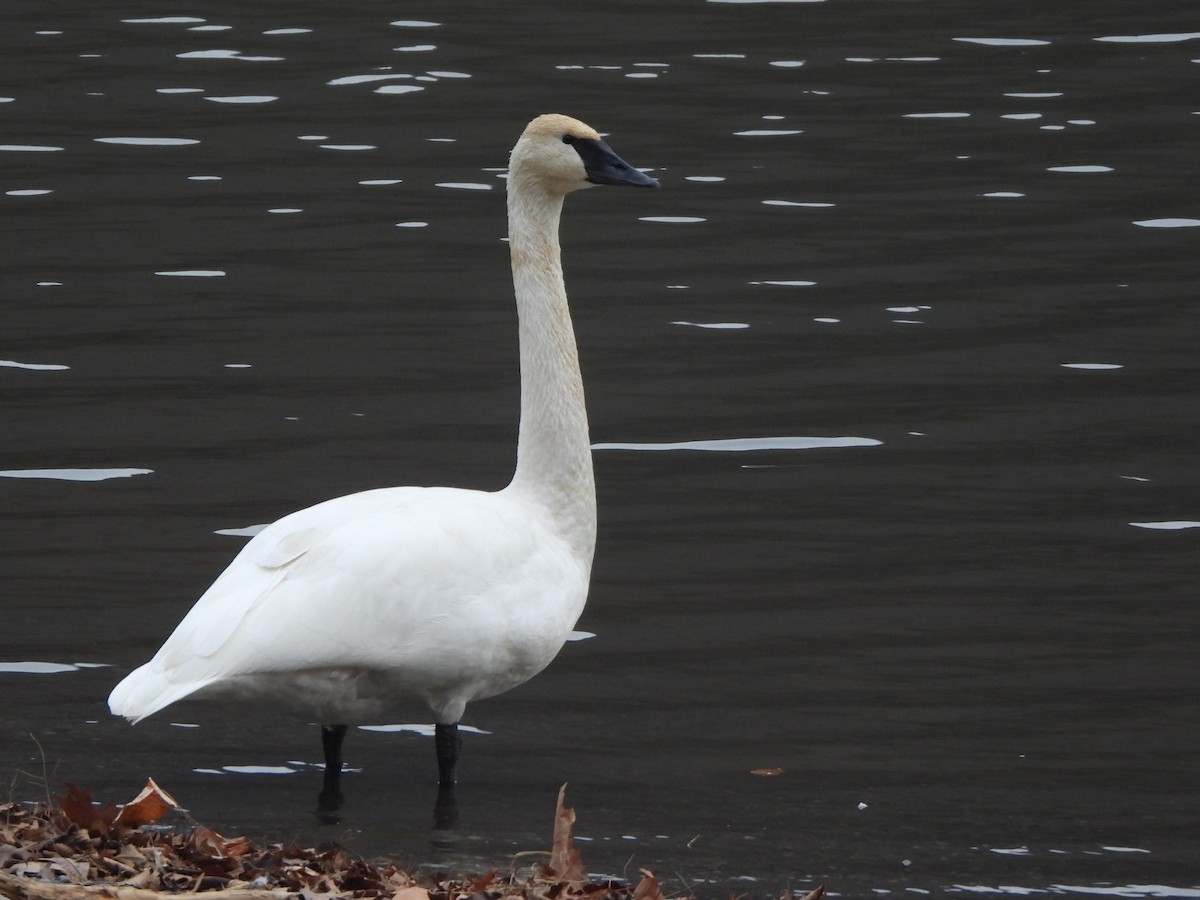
(37,367)
(74,474)
(37,668)
(366,79)
(226,54)
(165,20)
(244,531)
(1003,42)
(672,220)
(192,273)
(146,141)
(738,445)
(1168,223)
(1128,890)
(259,770)
(1167,38)
(417,728)
(728,325)
(244,98)
(1175,525)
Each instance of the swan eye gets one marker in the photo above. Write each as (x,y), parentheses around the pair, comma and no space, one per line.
(568,138)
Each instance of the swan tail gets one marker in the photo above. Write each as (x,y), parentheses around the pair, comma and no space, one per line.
(144,691)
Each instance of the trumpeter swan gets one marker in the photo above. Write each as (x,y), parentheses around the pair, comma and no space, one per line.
(357,605)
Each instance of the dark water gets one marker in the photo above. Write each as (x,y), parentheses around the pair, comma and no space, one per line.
(971,646)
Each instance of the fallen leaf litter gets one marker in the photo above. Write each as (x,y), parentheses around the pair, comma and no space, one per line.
(80,851)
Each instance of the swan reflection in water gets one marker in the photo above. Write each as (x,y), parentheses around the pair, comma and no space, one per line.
(331,798)
(358,605)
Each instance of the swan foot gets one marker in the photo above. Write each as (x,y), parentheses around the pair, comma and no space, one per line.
(331,798)
(447,743)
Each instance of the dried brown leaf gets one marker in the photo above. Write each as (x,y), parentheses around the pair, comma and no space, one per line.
(131,856)
(412,892)
(73,870)
(149,806)
(815,894)
(143,879)
(31,869)
(566,862)
(648,888)
(77,805)
(482,882)
(767,771)
(204,842)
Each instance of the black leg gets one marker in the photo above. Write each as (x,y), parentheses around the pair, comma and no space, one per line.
(331,742)
(445,810)
(446,741)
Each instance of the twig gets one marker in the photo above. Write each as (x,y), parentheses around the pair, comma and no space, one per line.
(45,771)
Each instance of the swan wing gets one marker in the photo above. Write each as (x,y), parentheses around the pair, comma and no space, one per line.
(414,580)
(261,565)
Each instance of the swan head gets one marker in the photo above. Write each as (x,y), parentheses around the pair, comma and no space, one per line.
(563,155)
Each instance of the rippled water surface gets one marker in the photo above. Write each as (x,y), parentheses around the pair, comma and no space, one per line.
(893,389)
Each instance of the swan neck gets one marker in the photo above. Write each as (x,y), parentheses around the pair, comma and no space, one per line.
(554,459)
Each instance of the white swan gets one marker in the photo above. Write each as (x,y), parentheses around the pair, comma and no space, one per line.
(357,605)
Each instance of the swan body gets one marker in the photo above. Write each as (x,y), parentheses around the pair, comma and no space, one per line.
(308,612)
(363,604)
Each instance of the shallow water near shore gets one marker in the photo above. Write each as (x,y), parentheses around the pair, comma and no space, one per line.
(892,390)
